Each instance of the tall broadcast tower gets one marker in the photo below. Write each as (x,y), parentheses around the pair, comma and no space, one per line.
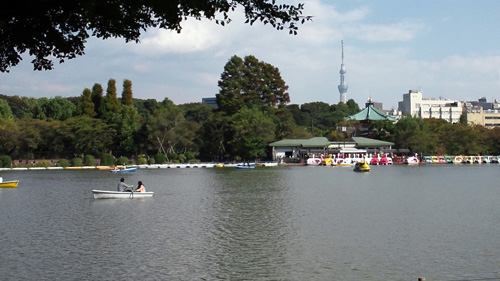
(342,85)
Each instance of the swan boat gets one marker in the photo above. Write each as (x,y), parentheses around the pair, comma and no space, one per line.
(412,160)
(107,194)
(361,166)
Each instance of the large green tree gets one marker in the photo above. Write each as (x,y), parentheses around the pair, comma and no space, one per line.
(59,29)
(170,131)
(127,125)
(318,115)
(212,138)
(9,136)
(127,94)
(414,133)
(111,105)
(249,81)
(88,135)
(5,111)
(56,108)
(253,130)
(320,118)
(493,138)
(97,96)
(86,106)
(22,107)
(197,112)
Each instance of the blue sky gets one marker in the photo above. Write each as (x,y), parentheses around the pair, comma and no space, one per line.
(447,49)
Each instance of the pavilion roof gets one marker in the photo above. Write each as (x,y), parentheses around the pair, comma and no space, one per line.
(312,142)
(372,114)
(366,142)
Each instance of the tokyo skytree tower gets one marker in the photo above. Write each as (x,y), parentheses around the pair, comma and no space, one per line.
(342,85)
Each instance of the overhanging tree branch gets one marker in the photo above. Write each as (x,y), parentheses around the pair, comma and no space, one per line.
(58,29)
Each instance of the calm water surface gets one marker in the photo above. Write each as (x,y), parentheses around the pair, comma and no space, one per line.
(277,223)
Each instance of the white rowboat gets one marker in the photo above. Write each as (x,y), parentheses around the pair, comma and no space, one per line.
(106,194)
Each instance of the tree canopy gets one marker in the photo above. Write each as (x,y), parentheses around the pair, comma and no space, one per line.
(250,81)
(58,29)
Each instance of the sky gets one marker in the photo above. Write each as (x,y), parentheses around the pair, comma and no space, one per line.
(448,49)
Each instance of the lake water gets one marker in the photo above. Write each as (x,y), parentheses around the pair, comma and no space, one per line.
(275,223)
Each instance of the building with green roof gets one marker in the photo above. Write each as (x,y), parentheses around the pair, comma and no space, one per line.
(368,115)
(296,149)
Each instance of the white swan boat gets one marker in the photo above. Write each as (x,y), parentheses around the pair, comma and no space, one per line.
(314,161)
(107,194)
(412,160)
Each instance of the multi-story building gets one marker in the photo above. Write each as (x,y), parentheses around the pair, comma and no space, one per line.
(489,118)
(482,102)
(416,105)
(210,101)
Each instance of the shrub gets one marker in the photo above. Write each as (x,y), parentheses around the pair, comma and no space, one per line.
(182,158)
(89,160)
(122,161)
(141,159)
(160,158)
(5,161)
(190,155)
(77,161)
(63,163)
(172,156)
(152,161)
(107,159)
(43,164)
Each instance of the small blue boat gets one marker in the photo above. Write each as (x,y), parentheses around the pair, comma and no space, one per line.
(124,170)
(244,167)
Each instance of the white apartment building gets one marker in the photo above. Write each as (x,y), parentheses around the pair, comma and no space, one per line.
(416,105)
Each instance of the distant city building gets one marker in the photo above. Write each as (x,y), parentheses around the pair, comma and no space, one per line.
(377,105)
(343,85)
(210,101)
(416,105)
(489,118)
(482,102)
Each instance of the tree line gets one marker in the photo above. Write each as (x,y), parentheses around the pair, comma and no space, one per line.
(253,111)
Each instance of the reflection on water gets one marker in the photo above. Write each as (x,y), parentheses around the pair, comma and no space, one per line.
(295,223)
(250,225)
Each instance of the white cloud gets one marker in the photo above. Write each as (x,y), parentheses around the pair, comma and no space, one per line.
(387,75)
(143,66)
(195,36)
(380,60)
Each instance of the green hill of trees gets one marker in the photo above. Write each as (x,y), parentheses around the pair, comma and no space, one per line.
(253,111)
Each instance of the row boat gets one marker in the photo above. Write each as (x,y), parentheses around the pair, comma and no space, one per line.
(124,170)
(244,167)
(9,184)
(106,194)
